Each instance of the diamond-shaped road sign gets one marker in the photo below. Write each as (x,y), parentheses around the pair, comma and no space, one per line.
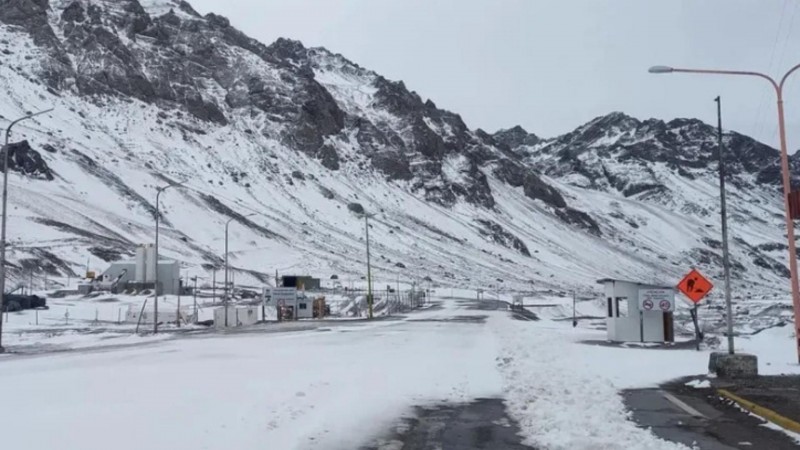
(695,286)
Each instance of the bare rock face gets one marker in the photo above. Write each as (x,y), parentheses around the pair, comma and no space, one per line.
(181,60)
(515,137)
(27,161)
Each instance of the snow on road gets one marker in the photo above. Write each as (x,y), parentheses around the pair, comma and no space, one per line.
(304,390)
(335,387)
(565,394)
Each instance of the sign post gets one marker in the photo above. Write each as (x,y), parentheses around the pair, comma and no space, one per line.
(695,286)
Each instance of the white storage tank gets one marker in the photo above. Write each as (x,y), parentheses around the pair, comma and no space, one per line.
(141,255)
(150,264)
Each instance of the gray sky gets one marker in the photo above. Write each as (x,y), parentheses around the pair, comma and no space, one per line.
(553,65)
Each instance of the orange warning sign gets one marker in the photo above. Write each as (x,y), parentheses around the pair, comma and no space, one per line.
(695,286)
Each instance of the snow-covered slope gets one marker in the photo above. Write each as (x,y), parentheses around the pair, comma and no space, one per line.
(294,143)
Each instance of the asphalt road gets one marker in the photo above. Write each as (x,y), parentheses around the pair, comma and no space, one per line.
(696,417)
(482,424)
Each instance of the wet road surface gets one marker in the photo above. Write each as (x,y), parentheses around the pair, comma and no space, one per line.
(482,424)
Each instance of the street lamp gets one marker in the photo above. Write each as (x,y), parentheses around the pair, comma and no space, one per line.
(5,217)
(787,187)
(369,266)
(225,298)
(661,69)
(158,215)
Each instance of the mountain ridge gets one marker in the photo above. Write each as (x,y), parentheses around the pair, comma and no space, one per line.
(150,92)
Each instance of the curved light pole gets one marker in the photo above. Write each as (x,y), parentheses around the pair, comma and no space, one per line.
(787,185)
(5,217)
(225,298)
(155,286)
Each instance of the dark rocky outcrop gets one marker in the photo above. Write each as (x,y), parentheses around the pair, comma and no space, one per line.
(515,137)
(500,235)
(27,161)
(535,188)
(356,208)
(580,219)
(74,13)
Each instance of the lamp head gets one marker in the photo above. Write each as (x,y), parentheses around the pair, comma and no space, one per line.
(661,69)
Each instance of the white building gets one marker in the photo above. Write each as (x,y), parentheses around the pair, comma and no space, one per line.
(638,312)
(238,316)
(141,271)
(292,302)
(166,314)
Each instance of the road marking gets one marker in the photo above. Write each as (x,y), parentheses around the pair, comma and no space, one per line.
(765,413)
(682,405)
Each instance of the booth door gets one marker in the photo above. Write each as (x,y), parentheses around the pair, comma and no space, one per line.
(669,327)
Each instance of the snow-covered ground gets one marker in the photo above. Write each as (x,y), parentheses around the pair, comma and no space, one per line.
(344,386)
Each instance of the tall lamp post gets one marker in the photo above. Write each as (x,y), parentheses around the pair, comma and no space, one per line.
(369,267)
(787,186)
(155,286)
(5,217)
(726,262)
(225,298)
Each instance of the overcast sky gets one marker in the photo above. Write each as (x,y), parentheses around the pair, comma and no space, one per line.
(553,65)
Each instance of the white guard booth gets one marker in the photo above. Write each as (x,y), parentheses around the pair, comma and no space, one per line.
(639,312)
(294,303)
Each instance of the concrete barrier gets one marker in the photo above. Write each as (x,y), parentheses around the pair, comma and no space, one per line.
(738,365)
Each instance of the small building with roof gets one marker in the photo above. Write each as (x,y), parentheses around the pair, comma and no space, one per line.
(638,312)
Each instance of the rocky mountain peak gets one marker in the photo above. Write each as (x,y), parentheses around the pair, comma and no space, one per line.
(516,137)
(289,49)
(625,154)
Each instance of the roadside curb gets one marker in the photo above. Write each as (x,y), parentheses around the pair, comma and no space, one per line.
(767,414)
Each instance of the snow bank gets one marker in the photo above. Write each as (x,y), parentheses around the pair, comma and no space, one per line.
(565,395)
(775,348)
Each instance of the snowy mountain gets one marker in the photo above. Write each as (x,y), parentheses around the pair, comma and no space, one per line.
(296,143)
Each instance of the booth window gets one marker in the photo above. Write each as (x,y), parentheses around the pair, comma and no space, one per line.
(610,309)
(621,301)
(303,306)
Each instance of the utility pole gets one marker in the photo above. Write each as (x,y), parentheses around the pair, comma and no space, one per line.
(225,294)
(399,299)
(194,295)
(574,316)
(178,308)
(724,212)
(3,240)
(214,286)
(155,286)
(225,300)
(369,269)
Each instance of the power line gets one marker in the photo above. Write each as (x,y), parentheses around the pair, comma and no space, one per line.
(788,34)
(783,56)
(760,122)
